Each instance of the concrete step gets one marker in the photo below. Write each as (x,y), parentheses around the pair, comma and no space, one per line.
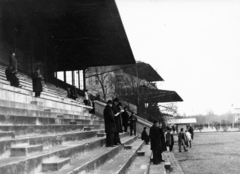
(7,135)
(28,86)
(54,164)
(44,129)
(25,150)
(46,140)
(38,106)
(91,160)
(122,161)
(10,93)
(101,134)
(141,164)
(156,169)
(33,163)
(14,115)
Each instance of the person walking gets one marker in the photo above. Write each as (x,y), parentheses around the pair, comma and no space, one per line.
(37,82)
(155,142)
(181,140)
(116,111)
(125,119)
(133,124)
(110,125)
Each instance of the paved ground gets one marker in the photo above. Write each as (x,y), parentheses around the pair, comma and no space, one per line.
(212,153)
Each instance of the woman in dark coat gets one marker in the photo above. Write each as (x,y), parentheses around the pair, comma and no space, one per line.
(37,82)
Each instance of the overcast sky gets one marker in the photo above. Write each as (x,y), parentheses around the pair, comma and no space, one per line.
(193,44)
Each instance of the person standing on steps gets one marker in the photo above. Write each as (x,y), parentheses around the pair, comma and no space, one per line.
(116,111)
(11,71)
(145,136)
(133,124)
(125,119)
(110,125)
(155,142)
(37,82)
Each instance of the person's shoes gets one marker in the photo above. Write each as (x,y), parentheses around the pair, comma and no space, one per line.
(156,163)
(186,150)
(162,161)
(180,151)
(20,86)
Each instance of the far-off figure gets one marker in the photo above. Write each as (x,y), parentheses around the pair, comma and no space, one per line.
(37,82)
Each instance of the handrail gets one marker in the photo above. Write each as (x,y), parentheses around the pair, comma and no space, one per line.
(140,119)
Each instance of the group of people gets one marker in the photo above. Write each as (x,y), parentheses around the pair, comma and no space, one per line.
(12,71)
(163,140)
(185,138)
(116,121)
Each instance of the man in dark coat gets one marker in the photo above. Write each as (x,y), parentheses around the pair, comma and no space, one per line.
(191,131)
(145,136)
(13,62)
(125,119)
(37,82)
(110,125)
(116,111)
(133,124)
(155,142)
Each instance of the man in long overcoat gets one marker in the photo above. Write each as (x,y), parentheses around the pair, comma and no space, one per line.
(110,125)
(155,142)
(37,82)
(116,111)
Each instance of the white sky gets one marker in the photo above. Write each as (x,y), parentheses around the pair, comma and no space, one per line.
(193,44)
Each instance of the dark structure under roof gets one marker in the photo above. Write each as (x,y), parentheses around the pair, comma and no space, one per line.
(66,34)
(144,70)
(153,96)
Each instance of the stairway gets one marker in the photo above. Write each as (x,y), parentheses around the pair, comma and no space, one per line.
(56,135)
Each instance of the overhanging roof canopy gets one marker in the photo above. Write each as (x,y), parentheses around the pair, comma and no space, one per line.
(153,96)
(71,34)
(144,70)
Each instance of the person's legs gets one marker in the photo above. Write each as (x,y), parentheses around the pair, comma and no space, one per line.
(184,147)
(190,144)
(125,128)
(155,157)
(131,130)
(171,147)
(180,145)
(107,140)
(135,131)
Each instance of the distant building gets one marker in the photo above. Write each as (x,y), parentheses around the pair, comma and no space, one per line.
(181,122)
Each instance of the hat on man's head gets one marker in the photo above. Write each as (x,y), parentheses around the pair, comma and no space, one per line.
(155,121)
(109,102)
(116,100)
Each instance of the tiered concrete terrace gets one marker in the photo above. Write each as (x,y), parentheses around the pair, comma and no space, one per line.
(57,135)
